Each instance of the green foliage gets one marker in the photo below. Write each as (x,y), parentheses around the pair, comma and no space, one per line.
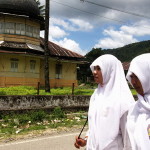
(58,113)
(14,124)
(18,90)
(41,8)
(93,54)
(38,116)
(128,52)
(27,90)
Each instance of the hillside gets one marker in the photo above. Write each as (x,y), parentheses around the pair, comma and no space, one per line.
(128,52)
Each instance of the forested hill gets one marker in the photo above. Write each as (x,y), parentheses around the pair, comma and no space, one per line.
(128,52)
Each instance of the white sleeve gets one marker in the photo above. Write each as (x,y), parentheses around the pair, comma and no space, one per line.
(125,137)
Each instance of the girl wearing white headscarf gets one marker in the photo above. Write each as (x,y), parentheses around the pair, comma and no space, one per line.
(108,107)
(138,121)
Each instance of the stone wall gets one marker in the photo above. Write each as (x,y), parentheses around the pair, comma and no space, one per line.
(42,102)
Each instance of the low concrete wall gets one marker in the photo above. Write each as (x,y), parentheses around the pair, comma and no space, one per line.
(42,102)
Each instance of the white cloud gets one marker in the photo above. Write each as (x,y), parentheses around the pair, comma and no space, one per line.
(83,11)
(141,28)
(67,17)
(81,24)
(72,24)
(55,32)
(115,39)
(60,22)
(70,45)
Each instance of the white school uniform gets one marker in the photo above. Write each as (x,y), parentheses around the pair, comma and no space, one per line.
(138,120)
(108,107)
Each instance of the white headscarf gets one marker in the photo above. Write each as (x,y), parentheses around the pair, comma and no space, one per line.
(108,103)
(140,113)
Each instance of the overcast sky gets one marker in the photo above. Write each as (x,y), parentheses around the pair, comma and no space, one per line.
(80,26)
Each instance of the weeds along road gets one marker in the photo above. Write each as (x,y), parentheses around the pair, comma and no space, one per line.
(55,142)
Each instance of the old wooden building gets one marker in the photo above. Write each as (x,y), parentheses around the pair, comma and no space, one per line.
(22,49)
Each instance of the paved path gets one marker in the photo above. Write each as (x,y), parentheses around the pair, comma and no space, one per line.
(55,142)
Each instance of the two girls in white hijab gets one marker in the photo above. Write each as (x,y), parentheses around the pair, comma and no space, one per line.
(138,122)
(108,107)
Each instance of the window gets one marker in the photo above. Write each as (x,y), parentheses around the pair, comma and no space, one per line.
(58,71)
(29,30)
(32,65)
(36,32)
(14,65)
(20,29)
(1,27)
(10,28)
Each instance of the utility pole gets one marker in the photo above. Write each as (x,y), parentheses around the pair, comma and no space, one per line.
(47,51)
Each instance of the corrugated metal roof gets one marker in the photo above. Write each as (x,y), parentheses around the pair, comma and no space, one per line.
(57,50)
(13,45)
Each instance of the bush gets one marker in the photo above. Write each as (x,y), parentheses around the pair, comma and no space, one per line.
(23,118)
(38,116)
(58,113)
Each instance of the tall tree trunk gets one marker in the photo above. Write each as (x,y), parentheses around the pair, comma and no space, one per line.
(47,51)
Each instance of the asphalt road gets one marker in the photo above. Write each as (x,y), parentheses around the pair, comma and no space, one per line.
(55,142)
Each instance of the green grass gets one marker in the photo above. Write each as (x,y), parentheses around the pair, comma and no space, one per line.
(18,124)
(27,90)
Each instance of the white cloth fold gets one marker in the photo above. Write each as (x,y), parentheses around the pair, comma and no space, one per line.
(108,103)
(137,121)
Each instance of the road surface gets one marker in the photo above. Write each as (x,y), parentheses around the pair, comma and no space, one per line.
(55,142)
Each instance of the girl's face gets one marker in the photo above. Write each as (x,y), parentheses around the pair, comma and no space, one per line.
(137,84)
(98,75)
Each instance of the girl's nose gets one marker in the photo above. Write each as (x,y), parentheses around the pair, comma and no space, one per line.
(94,72)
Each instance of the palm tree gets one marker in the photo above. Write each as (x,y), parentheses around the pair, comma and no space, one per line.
(41,8)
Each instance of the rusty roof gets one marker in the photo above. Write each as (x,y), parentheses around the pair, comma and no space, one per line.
(57,50)
(13,45)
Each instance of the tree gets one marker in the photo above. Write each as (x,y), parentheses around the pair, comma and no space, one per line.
(41,8)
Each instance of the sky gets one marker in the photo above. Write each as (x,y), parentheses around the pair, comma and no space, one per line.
(80,25)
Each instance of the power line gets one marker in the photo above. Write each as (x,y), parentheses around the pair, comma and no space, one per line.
(120,21)
(127,12)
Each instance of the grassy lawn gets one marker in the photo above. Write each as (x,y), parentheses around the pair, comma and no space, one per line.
(26,90)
